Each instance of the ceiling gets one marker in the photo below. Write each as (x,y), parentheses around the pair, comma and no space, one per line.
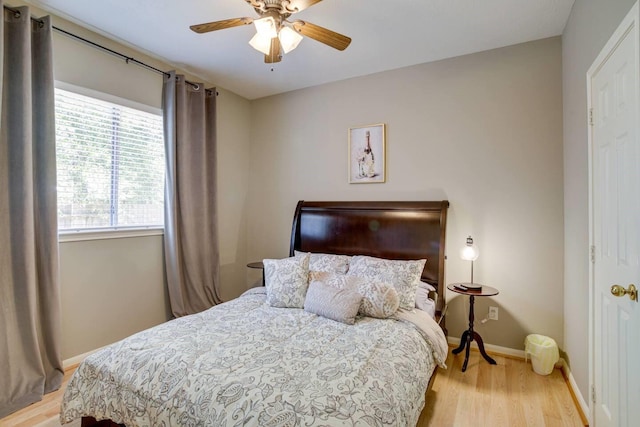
(386,35)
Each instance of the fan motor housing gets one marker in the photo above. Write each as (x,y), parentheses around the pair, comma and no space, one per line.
(282,7)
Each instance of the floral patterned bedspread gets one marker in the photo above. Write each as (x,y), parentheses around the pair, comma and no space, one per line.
(245,363)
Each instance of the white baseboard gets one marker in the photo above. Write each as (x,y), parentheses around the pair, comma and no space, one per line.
(584,406)
(77,359)
(492,348)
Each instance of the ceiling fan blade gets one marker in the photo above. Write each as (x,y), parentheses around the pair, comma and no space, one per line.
(328,37)
(299,5)
(220,25)
(275,53)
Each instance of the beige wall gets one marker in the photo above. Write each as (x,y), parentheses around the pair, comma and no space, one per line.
(590,25)
(110,289)
(125,277)
(483,131)
(233,186)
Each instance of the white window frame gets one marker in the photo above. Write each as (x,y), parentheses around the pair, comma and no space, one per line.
(84,234)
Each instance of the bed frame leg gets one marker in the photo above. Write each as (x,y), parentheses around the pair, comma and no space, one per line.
(92,422)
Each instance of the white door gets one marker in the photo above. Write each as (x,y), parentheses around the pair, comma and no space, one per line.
(613,83)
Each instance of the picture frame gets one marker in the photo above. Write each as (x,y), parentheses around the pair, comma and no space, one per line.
(367,154)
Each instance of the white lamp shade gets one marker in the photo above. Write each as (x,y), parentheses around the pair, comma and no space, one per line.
(266,27)
(469,253)
(261,43)
(289,39)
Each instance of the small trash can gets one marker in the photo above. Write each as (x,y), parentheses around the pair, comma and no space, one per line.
(544,353)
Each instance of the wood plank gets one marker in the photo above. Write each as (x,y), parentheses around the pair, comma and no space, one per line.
(515,391)
(506,394)
(499,398)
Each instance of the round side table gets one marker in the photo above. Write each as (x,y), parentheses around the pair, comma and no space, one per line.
(470,335)
(259,265)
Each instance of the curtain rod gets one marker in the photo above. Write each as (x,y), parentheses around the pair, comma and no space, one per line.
(127,59)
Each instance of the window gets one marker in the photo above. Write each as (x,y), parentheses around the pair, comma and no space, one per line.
(110,161)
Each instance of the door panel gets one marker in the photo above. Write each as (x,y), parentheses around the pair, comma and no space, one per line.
(615,202)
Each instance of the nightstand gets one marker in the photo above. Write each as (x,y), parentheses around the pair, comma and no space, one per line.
(260,265)
(470,335)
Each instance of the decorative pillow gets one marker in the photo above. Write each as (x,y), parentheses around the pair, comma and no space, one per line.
(403,275)
(339,281)
(336,304)
(319,276)
(327,262)
(378,299)
(286,281)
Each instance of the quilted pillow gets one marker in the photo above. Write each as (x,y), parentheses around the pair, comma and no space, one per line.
(378,299)
(403,275)
(336,304)
(286,281)
(327,262)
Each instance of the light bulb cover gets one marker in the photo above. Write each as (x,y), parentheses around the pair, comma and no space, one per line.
(261,43)
(469,252)
(289,39)
(266,27)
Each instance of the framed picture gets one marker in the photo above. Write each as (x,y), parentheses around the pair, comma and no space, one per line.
(367,162)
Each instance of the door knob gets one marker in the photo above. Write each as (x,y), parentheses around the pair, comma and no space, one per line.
(619,291)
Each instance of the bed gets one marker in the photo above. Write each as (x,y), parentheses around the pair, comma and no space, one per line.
(246,362)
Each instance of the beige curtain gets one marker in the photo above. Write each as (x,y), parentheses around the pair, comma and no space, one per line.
(190,223)
(30,362)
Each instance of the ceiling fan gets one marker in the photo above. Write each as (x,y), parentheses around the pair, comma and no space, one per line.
(274,32)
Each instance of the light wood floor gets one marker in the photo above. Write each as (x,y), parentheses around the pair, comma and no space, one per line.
(507,394)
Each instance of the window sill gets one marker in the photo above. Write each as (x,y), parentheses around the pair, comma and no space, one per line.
(124,233)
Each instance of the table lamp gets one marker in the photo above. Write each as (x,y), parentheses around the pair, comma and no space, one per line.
(470,253)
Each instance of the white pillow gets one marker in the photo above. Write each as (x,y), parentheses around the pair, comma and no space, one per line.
(286,281)
(427,286)
(424,303)
(327,262)
(403,275)
(336,304)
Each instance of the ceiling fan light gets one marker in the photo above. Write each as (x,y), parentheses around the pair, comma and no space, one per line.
(289,39)
(266,27)
(261,43)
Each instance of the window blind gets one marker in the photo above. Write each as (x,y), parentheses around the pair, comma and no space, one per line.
(110,164)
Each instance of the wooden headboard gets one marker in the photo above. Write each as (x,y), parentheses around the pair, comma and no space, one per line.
(391,230)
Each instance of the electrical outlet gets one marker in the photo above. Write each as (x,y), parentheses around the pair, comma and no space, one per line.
(493,313)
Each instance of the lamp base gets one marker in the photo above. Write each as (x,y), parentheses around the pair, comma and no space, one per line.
(474,286)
